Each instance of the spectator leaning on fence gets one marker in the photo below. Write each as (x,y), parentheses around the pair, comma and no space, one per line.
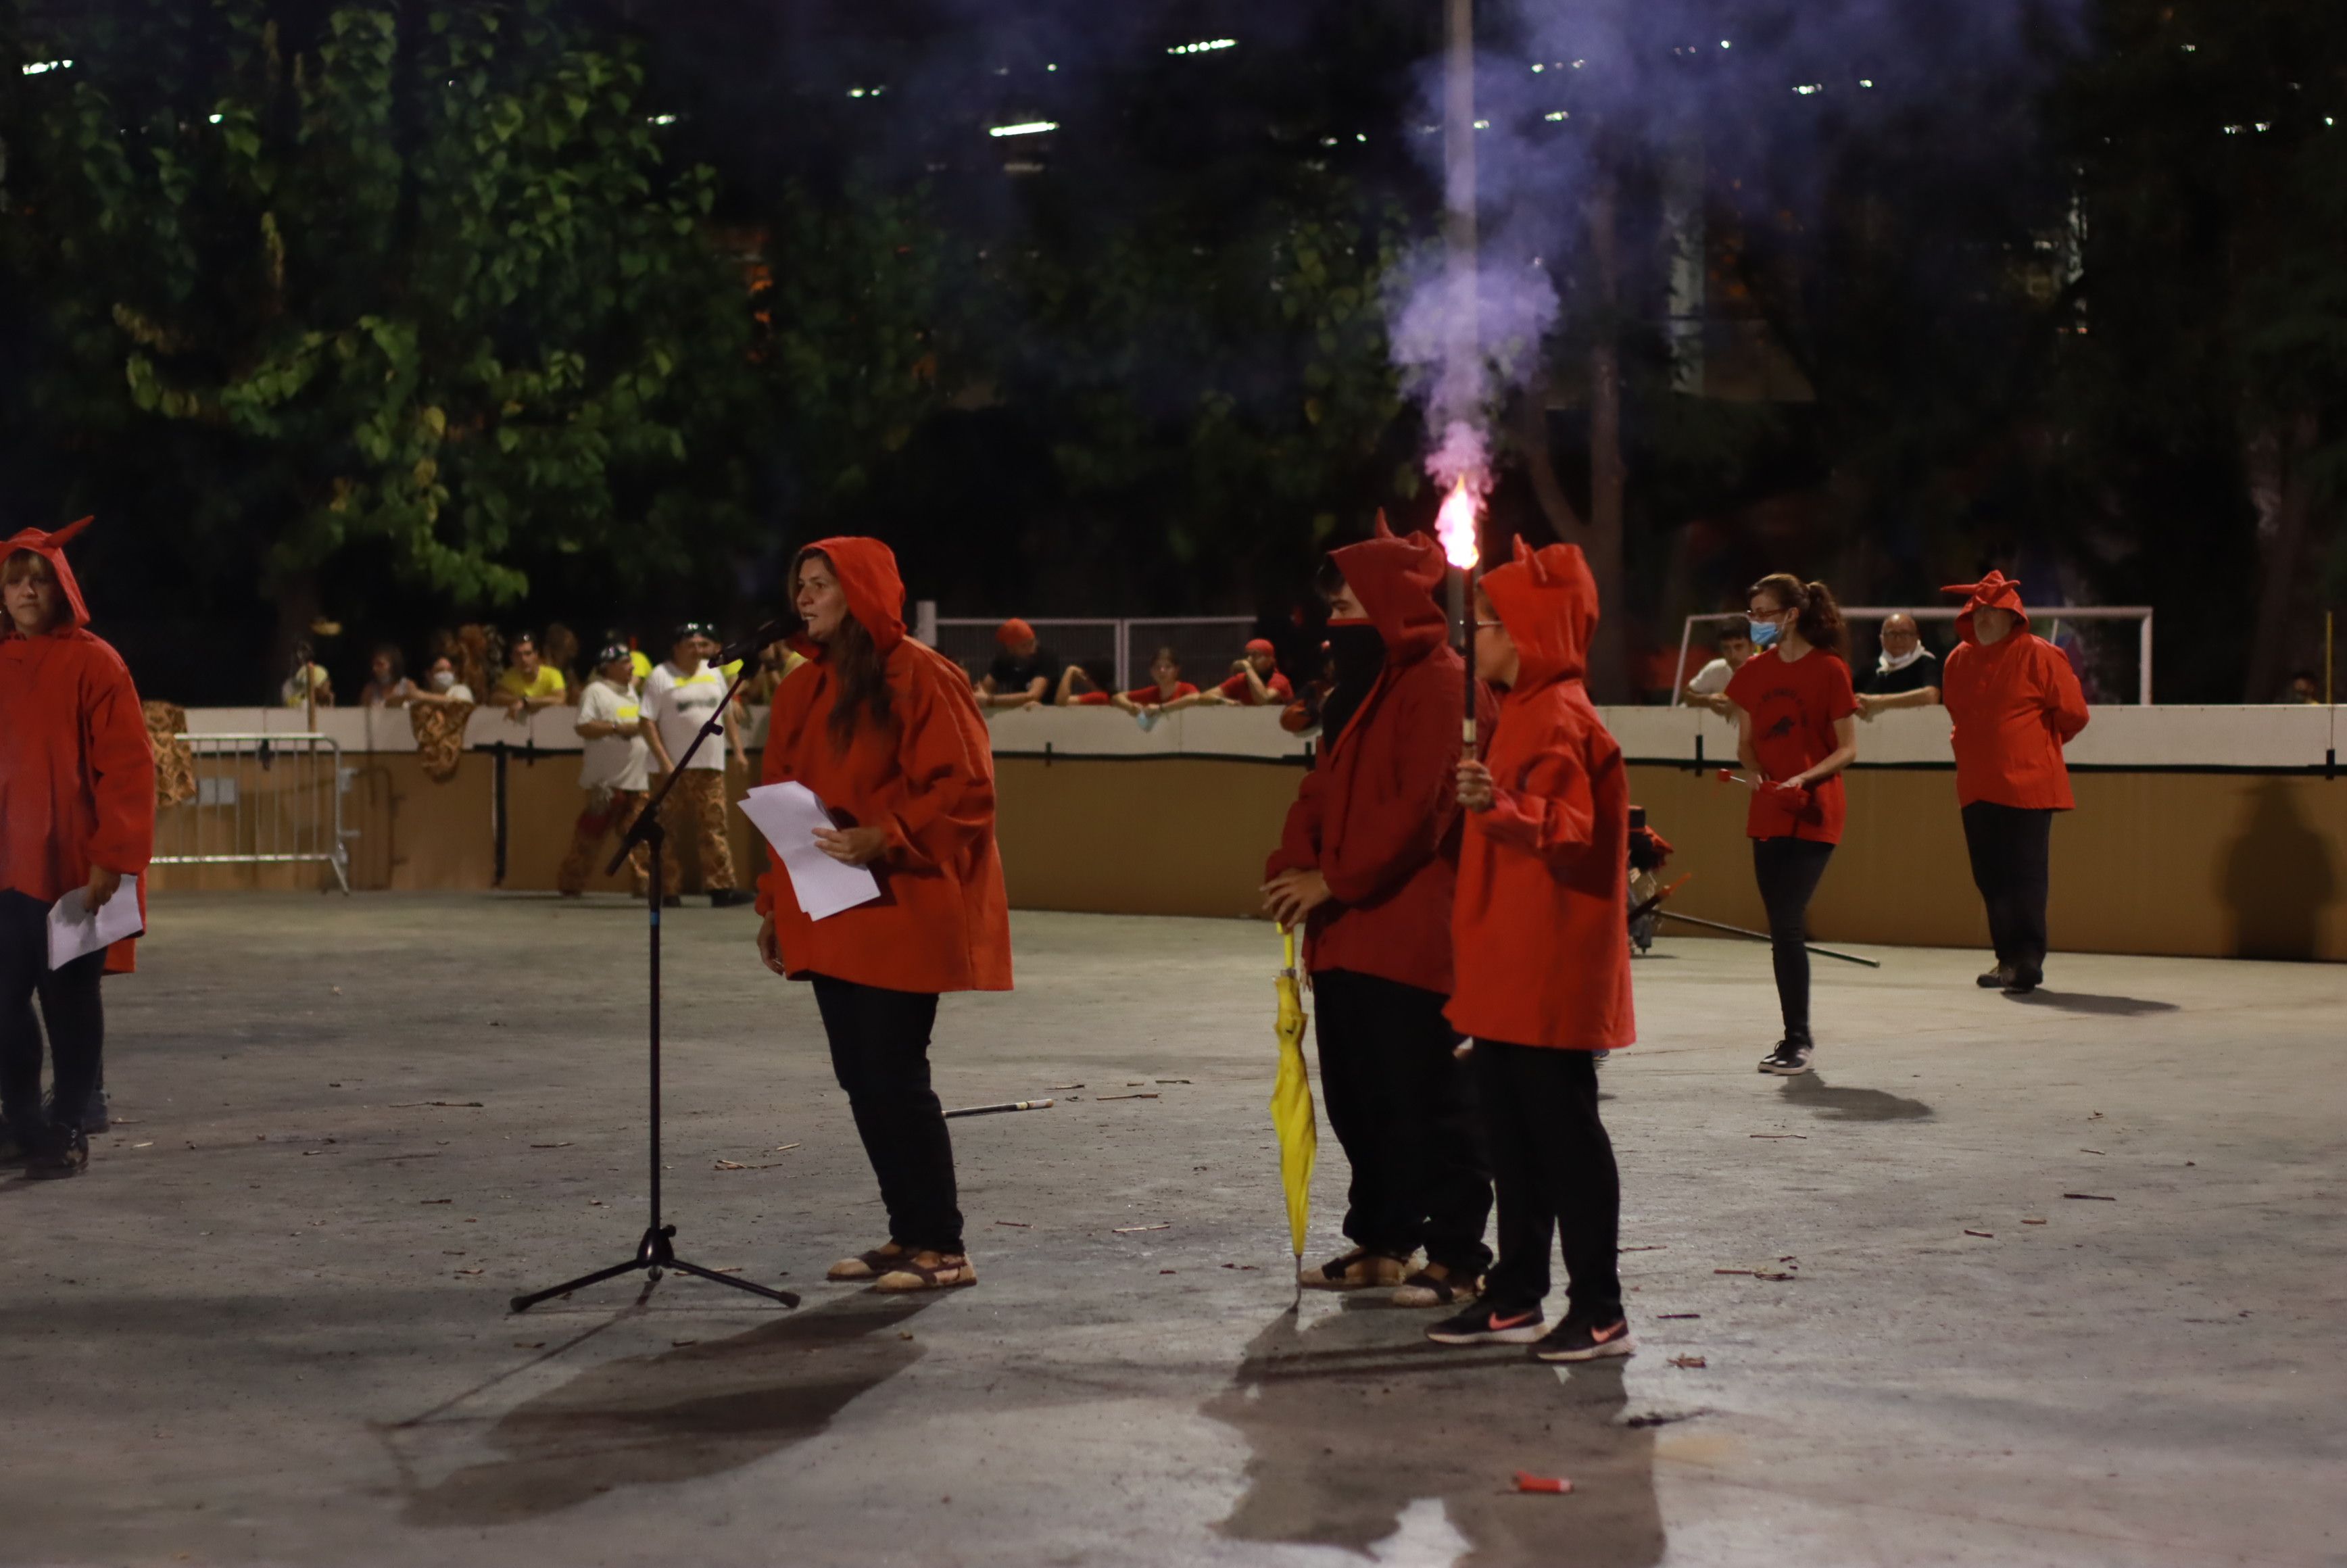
(1255,680)
(1906,673)
(679,697)
(613,769)
(77,814)
(440,684)
(529,683)
(1166,693)
(1709,686)
(1024,673)
(387,685)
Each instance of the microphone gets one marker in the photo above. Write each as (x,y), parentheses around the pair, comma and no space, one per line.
(744,647)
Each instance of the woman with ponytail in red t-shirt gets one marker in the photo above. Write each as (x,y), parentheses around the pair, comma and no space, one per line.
(1796,730)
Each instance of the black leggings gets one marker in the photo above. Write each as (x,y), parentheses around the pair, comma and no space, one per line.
(1788,870)
(881,1054)
(70,1006)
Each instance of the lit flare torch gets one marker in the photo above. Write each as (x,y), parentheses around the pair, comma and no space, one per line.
(1454,526)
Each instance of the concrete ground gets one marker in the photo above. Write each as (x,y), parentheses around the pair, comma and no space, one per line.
(269,1325)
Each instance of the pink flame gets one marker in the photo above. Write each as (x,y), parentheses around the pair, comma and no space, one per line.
(1455,524)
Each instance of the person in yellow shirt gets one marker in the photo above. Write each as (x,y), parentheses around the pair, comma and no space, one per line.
(529,683)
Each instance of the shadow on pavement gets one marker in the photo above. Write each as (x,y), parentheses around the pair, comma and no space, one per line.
(1357,1418)
(2080,1001)
(693,1411)
(1835,1104)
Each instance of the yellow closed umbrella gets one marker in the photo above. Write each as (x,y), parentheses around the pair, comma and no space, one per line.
(1291,1110)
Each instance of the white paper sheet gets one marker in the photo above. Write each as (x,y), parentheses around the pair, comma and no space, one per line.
(74,931)
(788,815)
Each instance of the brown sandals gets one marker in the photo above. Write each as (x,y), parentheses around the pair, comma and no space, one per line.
(927,1270)
(868,1265)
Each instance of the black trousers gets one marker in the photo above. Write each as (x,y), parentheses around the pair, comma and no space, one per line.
(1787,870)
(2011,848)
(69,1006)
(881,1054)
(1553,1167)
(1402,1106)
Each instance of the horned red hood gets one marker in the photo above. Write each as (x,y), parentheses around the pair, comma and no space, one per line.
(1994,591)
(51,546)
(1548,601)
(876,593)
(1395,578)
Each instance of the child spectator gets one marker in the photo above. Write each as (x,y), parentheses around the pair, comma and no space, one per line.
(76,812)
(1542,958)
(1166,693)
(1255,680)
(1708,687)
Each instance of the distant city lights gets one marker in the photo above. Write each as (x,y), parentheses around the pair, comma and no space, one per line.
(1203,47)
(43,67)
(1024,127)
(865,92)
(1811,89)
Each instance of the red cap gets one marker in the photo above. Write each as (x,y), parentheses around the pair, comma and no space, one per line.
(1012,632)
(1260,645)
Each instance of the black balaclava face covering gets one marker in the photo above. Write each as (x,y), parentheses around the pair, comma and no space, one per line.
(1358,652)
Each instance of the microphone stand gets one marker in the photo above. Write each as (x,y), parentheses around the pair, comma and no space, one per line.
(655,1251)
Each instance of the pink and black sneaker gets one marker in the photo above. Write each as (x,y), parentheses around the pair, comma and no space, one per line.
(1579,1339)
(1489,1324)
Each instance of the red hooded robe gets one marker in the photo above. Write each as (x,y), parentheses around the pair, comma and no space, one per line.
(942,922)
(2014,705)
(1540,928)
(76,774)
(1378,814)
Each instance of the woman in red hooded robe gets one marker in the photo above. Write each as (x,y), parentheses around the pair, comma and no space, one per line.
(886,734)
(1367,863)
(76,811)
(2015,703)
(1542,950)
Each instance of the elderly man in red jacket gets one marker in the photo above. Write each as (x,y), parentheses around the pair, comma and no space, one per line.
(2015,703)
(76,811)
(1367,863)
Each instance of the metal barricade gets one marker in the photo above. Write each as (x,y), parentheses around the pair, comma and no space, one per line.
(968,641)
(260,800)
(1205,646)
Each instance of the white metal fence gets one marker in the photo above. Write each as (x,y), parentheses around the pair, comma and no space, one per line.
(2044,621)
(260,800)
(1117,651)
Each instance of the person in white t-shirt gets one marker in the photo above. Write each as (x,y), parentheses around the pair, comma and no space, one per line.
(679,697)
(1709,687)
(613,770)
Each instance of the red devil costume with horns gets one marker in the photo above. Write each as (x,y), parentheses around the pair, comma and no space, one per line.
(77,795)
(1376,823)
(1543,954)
(2014,704)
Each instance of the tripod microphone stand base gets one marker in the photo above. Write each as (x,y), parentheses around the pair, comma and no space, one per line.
(653,1254)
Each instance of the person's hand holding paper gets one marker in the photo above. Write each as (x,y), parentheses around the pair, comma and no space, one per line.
(76,930)
(822,880)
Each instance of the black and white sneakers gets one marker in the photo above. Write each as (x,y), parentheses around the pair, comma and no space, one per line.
(1789,1059)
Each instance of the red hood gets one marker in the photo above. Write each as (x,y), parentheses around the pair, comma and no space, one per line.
(1994,591)
(876,594)
(52,546)
(1395,578)
(1548,601)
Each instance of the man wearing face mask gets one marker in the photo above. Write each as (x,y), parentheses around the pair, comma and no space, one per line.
(1366,864)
